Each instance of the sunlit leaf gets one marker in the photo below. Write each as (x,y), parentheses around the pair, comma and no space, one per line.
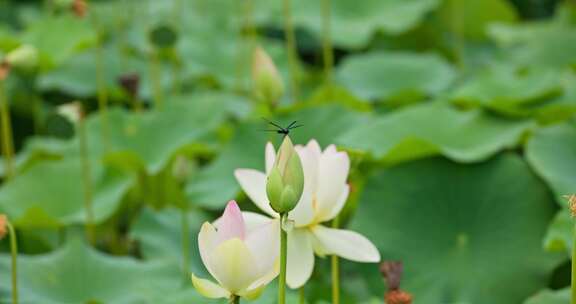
(432,129)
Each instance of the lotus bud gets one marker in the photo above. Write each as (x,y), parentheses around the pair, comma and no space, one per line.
(268,85)
(24,57)
(3,226)
(71,111)
(286,179)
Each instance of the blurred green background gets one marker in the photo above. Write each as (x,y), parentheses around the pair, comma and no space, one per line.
(459,116)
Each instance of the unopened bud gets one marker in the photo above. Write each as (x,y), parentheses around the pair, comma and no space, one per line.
(23,57)
(392,273)
(268,85)
(286,179)
(71,111)
(3,226)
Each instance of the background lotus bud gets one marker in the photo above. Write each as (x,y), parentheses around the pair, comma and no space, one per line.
(268,85)
(71,111)
(286,179)
(23,57)
(3,226)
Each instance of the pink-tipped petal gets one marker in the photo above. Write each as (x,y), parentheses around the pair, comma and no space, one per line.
(207,241)
(231,224)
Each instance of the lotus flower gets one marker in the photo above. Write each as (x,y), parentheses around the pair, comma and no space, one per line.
(324,195)
(242,259)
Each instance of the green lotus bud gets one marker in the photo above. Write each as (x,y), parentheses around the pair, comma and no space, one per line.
(268,85)
(24,57)
(286,179)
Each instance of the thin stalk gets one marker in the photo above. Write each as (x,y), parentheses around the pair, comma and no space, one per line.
(86,181)
(573,301)
(14,256)
(283,260)
(101,84)
(335,264)
(327,49)
(7,139)
(291,49)
(458,43)
(155,77)
(234,299)
(301,295)
(185,242)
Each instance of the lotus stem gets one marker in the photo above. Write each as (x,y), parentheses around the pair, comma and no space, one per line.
(283,261)
(7,139)
(234,299)
(327,49)
(185,242)
(14,256)
(301,295)
(335,264)
(86,181)
(291,49)
(155,77)
(101,84)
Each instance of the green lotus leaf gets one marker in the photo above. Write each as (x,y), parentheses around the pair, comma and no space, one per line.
(46,34)
(472,18)
(454,226)
(388,75)
(77,273)
(51,193)
(507,90)
(215,184)
(159,235)
(550,297)
(353,24)
(432,129)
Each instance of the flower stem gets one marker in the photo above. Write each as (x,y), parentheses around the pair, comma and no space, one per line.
(234,299)
(14,254)
(155,77)
(301,295)
(7,140)
(335,263)
(101,84)
(86,181)
(291,49)
(283,260)
(185,242)
(573,301)
(327,51)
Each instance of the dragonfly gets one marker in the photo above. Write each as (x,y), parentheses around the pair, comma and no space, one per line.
(282,130)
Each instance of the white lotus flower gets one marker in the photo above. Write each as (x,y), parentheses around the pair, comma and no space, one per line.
(242,258)
(325,193)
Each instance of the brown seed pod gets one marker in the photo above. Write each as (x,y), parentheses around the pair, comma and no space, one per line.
(397,297)
(79,7)
(4,70)
(3,226)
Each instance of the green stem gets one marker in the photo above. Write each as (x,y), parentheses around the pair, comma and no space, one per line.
(185,242)
(14,254)
(155,76)
(458,43)
(327,49)
(574,267)
(283,260)
(101,84)
(86,181)
(301,295)
(7,139)
(335,263)
(291,49)
(234,299)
